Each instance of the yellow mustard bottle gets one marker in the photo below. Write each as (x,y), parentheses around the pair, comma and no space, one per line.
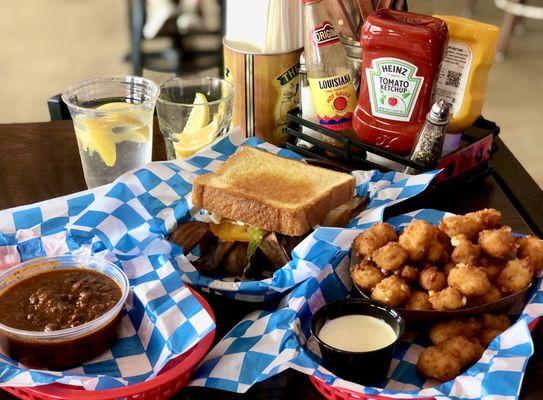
(465,67)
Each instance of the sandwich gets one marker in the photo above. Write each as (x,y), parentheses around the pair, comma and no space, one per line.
(256,207)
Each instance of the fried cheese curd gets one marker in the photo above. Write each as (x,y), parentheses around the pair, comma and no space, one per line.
(498,243)
(492,295)
(439,248)
(419,300)
(493,325)
(408,273)
(371,239)
(468,350)
(492,267)
(443,330)
(493,321)
(471,224)
(366,275)
(465,251)
(432,279)
(390,257)
(447,299)
(469,280)
(445,361)
(447,268)
(516,275)
(487,336)
(392,291)
(469,260)
(531,247)
(457,344)
(417,237)
(437,363)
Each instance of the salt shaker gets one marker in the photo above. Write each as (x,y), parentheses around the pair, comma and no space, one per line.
(429,143)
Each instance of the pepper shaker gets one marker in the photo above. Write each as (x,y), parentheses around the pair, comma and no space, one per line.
(429,143)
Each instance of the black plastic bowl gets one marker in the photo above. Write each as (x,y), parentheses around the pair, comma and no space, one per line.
(367,368)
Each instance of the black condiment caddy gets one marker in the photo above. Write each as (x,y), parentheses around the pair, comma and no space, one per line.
(469,162)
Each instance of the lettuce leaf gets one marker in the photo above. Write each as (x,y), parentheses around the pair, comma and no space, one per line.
(255,238)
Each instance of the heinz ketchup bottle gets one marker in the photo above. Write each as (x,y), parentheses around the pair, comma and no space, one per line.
(401,55)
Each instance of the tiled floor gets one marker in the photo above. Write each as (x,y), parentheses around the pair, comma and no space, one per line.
(47,45)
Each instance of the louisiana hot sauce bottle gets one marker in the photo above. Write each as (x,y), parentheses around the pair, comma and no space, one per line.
(401,56)
(331,84)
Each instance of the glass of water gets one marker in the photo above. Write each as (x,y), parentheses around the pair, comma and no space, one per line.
(113,122)
(193,113)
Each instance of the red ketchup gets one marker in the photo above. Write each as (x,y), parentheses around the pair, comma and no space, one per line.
(401,55)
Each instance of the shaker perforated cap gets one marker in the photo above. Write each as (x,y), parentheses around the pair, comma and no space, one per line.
(439,113)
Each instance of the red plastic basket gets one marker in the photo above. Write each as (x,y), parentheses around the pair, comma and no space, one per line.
(174,376)
(334,393)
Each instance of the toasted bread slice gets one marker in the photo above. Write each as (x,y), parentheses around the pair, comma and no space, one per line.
(271,192)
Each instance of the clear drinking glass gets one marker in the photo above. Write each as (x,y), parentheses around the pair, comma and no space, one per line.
(193,113)
(113,122)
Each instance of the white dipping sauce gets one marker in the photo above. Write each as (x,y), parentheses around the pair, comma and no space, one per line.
(357,333)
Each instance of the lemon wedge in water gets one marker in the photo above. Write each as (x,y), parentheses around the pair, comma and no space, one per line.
(100,135)
(199,115)
(190,142)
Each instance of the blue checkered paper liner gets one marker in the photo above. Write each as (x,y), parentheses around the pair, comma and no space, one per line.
(266,343)
(158,197)
(162,318)
(127,222)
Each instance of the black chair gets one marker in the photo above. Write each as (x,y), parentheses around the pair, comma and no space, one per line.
(58,109)
(179,58)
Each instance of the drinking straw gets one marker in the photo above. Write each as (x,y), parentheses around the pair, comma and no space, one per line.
(348,17)
(365,7)
(343,18)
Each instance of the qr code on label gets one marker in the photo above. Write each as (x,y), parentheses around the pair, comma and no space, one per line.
(453,78)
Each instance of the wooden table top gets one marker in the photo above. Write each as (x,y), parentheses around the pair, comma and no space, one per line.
(40,161)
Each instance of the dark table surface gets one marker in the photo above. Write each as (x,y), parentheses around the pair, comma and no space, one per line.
(40,161)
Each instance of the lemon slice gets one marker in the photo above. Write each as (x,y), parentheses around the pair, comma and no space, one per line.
(100,135)
(190,142)
(95,137)
(116,106)
(199,115)
(132,125)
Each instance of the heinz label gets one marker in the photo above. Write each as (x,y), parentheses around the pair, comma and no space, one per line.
(325,34)
(393,87)
(335,100)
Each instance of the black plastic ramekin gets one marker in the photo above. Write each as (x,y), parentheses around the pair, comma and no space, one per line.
(368,368)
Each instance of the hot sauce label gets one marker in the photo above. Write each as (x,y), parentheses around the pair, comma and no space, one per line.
(325,34)
(335,100)
(393,87)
